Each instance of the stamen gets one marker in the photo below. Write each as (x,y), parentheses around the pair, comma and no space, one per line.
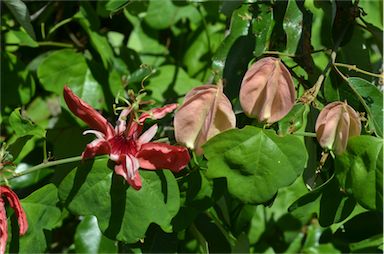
(132,165)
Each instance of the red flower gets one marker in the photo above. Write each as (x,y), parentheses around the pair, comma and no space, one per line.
(14,202)
(126,145)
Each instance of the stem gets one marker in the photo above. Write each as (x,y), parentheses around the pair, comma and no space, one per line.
(292,55)
(55,44)
(45,157)
(44,165)
(61,23)
(354,68)
(278,53)
(305,134)
(200,238)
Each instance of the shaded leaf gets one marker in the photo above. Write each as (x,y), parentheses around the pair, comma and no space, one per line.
(21,13)
(327,201)
(18,81)
(88,20)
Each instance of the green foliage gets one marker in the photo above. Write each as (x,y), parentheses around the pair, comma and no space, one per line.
(256,189)
(42,214)
(122,212)
(255,162)
(360,171)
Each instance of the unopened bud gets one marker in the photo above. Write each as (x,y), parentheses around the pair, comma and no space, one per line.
(206,112)
(335,124)
(267,91)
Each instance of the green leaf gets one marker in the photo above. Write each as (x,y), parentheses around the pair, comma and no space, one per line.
(116,5)
(360,171)
(89,239)
(18,80)
(66,67)
(28,179)
(361,233)
(295,120)
(19,37)
(42,214)
(161,14)
(372,242)
(23,126)
(328,202)
(255,162)
(203,45)
(240,23)
(372,99)
(146,42)
(165,13)
(88,20)
(231,59)
(170,82)
(21,13)
(292,25)
(122,212)
(262,27)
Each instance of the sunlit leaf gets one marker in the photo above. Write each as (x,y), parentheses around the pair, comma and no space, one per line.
(122,212)
(293,24)
(42,214)
(66,67)
(255,162)
(360,171)
(372,99)
(170,82)
(89,239)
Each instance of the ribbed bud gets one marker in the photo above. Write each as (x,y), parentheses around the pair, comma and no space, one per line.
(206,111)
(335,124)
(267,91)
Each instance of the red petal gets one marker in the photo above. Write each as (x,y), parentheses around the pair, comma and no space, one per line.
(96,147)
(163,156)
(158,113)
(86,113)
(3,227)
(14,202)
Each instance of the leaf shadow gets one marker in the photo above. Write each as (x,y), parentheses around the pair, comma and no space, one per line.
(118,194)
(80,177)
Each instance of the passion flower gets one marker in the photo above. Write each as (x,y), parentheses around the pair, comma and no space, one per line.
(267,91)
(206,112)
(335,124)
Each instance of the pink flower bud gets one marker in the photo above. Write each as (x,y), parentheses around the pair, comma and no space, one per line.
(206,111)
(267,91)
(335,124)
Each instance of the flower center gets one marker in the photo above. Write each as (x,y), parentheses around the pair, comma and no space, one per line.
(123,145)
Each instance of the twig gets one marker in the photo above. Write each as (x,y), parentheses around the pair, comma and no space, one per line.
(354,68)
